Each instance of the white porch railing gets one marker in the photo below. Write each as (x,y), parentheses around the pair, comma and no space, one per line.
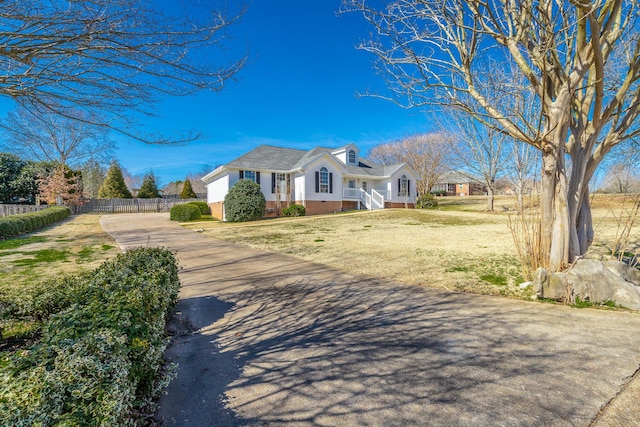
(373,200)
(351,193)
(377,200)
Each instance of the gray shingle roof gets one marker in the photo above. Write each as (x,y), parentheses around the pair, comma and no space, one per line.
(267,157)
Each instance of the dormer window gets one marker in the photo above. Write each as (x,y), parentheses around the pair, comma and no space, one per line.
(352,157)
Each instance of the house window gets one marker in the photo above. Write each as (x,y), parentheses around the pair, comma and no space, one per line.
(364,185)
(352,183)
(403,186)
(252,175)
(279,183)
(324,180)
(352,157)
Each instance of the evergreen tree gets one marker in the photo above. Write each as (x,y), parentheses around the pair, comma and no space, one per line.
(10,168)
(149,188)
(113,186)
(93,175)
(187,191)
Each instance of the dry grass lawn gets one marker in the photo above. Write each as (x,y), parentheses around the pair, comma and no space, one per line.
(73,245)
(457,246)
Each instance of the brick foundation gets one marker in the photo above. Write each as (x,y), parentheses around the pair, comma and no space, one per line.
(319,208)
(272,212)
(216,209)
(350,205)
(312,207)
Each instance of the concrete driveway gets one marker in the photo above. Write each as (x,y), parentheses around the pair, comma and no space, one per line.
(270,340)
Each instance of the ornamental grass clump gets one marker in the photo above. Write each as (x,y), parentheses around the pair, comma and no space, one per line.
(100,358)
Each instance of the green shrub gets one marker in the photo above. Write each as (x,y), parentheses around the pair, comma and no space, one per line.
(244,202)
(186,212)
(203,206)
(294,210)
(14,225)
(100,357)
(426,201)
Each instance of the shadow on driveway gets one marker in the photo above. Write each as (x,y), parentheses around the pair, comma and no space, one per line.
(280,341)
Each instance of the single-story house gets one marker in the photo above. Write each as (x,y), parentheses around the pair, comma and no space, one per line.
(323,180)
(458,184)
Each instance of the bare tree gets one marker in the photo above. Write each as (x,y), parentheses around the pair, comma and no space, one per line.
(521,171)
(51,137)
(480,151)
(427,154)
(623,178)
(116,57)
(581,60)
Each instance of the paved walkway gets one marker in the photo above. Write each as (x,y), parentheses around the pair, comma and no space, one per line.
(273,340)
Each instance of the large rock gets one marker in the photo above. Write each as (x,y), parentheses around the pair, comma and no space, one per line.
(591,280)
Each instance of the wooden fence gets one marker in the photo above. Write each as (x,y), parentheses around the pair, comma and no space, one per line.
(130,205)
(7,210)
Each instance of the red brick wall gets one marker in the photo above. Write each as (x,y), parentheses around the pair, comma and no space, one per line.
(216,209)
(349,205)
(319,208)
(271,211)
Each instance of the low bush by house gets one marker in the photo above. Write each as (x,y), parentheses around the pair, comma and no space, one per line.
(186,212)
(426,201)
(294,210)
(100,354)
(15,225)
(203,206)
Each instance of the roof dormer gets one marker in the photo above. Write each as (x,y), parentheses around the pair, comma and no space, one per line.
(347,154)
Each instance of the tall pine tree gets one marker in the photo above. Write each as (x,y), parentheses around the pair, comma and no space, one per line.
(149,188)
(187,191)
(113,186)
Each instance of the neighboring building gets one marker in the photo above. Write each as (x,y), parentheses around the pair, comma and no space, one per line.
(458,184)
(323,180)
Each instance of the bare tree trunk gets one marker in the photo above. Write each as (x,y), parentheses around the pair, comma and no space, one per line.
(520,190)
(490,199)
(554,211)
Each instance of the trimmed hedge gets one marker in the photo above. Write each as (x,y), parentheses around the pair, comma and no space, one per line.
(203,206)
(294,210)
(100,357)
(186,212)
(15,225)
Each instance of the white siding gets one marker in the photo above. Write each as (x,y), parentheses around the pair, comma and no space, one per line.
(299,186)
(310,181)
(217,189)
(393,186)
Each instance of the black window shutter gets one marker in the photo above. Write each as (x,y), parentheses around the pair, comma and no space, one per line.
(409,188)
(241,174)
(399,186)
(317,182)
(331,183)
(273,182)
(257,177)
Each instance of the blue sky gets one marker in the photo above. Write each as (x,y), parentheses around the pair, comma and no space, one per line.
(298,90)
